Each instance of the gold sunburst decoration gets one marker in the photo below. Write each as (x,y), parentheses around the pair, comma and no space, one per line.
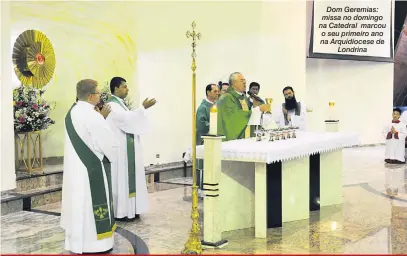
(33,58)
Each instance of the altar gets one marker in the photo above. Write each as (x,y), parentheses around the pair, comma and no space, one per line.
(262,184)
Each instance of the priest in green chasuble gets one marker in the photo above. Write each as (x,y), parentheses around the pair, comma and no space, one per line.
(202,114)
(234,109)
(90,147)
(202,122)
(130,195)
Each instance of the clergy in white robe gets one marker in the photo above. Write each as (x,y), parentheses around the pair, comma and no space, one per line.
(87,205)
(130,195)
(292,112)
(395,134)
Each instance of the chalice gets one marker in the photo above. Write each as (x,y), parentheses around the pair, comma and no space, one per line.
(269,101)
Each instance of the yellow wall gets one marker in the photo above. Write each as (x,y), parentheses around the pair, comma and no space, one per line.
(91,40)
(99,40)
(96,39)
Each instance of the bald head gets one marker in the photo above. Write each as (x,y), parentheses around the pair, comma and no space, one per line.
(237,81)
(87,90)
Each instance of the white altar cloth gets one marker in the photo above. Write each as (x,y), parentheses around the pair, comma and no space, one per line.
(306,143)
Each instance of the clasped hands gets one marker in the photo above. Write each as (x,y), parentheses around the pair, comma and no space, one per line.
(393,130)
(285,112)
(105,111)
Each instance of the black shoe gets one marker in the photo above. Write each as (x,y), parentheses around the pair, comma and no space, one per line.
(137,217)
(120,219)
(105,252)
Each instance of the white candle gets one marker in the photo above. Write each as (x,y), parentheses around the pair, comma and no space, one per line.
(331,112)
(213,120)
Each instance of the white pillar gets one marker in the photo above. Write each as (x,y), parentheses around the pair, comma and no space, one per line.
(8,174)
(331,125)
(212,172)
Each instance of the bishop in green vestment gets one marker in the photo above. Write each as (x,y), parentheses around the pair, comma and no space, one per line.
(234,111)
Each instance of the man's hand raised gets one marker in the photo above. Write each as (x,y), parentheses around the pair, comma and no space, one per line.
(147,103)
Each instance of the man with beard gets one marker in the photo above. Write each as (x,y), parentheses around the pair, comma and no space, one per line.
(293,112)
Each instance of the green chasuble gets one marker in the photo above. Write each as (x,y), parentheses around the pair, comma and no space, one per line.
(131,154)
(233,115)
(105,225)
(202,121)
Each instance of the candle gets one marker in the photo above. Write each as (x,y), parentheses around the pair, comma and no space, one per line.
(213,120)
(331,110)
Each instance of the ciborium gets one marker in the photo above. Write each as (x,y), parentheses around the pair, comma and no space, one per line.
(259,134)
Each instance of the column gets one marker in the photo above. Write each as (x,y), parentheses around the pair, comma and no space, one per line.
(212,173)
(331,125)
(8,175)
(331,178)
(260,177)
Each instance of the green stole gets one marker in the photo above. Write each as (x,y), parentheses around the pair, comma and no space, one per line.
(105,225)
(233,115)
(131,155)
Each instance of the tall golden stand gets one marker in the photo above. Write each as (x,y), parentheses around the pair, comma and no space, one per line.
(193,245)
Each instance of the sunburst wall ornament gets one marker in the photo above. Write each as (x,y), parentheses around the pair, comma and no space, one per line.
(33,58)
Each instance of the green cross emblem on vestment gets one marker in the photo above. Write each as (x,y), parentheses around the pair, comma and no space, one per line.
(100,212)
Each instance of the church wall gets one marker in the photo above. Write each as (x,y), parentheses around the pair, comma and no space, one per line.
(252,38)
(362,91)
(90,39)
(8,176)
(153,54)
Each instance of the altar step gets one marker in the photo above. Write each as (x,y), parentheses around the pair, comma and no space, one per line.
(38,189)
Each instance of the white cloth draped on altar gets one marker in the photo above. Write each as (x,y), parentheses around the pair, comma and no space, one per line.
(306,143)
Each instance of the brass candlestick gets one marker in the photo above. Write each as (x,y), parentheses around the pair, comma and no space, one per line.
(193,245)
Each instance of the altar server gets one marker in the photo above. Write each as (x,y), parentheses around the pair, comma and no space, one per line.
(293,112)
(90,146)
(395,134)
(130,194)
(234,111)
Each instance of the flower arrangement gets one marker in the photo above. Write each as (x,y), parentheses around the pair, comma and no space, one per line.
(105,94)
(30,110)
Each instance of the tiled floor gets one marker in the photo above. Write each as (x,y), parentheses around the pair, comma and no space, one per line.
(372,219)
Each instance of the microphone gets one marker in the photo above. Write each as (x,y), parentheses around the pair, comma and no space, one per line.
(254,96)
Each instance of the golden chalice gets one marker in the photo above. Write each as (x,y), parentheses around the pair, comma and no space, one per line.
(268,102)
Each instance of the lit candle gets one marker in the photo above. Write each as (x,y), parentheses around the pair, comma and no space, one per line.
(213,120)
